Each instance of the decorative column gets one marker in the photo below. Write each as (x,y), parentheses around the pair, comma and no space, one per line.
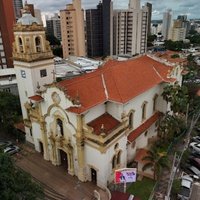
(80,148)
(44,139)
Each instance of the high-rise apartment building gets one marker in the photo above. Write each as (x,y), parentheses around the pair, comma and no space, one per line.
(38,15)
(99,29)
(94,31)
(180,28)
(107,27)
(18,5)
(72,29)
(130,29)
(53,26)
(6,33)
(149,6)
(167,24)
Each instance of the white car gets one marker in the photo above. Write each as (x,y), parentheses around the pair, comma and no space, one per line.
(186,188)
(12,149)
(195,147)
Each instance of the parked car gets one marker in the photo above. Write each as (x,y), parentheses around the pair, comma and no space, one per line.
(193,171)
(12,149)
(186,188)
(196,139)
(195,147)
(4,144)
(195,162)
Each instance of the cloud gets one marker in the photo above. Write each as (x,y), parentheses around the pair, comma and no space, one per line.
(178,6)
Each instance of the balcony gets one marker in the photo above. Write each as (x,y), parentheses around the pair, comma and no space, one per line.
(104,129)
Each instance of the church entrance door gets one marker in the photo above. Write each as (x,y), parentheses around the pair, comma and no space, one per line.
(94,175)
(63,159)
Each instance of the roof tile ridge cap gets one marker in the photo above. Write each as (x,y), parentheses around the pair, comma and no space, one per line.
(90,75)
(159,75)
(116,83)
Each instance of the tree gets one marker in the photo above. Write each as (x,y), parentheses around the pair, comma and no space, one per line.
(10,109)
(170,126)
(53,40)
(155,160)
(16,184)
(176,45)
(177,96)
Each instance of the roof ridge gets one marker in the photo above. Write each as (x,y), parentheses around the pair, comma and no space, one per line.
(158,73)
(116,83)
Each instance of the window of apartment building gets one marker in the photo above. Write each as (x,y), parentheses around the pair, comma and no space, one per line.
(6,89)
(43,73)
(144,108)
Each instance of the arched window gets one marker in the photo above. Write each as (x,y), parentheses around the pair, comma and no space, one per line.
(114,162)
(38,44)
(155,102)
(60,127)
(130,120)
(144,107)
(21,49)
(119,157)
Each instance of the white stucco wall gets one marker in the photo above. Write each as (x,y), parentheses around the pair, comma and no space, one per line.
(102,162)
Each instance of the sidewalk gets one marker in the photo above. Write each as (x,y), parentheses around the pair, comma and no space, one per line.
(55,178)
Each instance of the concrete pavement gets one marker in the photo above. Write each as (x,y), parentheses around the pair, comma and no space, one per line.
(55,179)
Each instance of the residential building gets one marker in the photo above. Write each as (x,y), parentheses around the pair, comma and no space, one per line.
(99,29)
(31,8)
(149,6)
(130,29)
(94,31)
(53,26)
(72,29)
(92,124)
(167,24)
(6,33)
(8,82)
(18,5)
(38,14)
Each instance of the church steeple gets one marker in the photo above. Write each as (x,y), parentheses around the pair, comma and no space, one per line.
(33,60)
(30,40)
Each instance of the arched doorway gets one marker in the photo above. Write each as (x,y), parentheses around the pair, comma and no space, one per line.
(93,175)
(41,148)
(63,159)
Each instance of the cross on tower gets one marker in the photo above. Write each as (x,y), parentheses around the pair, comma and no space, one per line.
(54,76)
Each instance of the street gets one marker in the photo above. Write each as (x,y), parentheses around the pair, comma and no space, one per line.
(195,191)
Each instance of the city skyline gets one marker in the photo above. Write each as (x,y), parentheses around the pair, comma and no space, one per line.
(179,7)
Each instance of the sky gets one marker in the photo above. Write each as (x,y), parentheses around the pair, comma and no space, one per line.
(189,7)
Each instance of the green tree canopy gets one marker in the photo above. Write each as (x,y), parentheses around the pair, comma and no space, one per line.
(10,108)
(176,45)
(53,40)
(177,96)
(16,184)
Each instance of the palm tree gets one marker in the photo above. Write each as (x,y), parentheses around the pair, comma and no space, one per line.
(155,160)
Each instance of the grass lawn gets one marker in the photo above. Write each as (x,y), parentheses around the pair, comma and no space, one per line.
(142,189)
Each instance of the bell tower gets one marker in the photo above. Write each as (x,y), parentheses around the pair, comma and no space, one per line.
(33,60)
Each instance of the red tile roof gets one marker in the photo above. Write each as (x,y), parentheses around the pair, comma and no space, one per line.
(167,55)
(118,81)
(108,122)
(20,126)
(143,127)
(141,153)
(36,98)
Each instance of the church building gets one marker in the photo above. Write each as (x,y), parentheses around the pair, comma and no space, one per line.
(95,123)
